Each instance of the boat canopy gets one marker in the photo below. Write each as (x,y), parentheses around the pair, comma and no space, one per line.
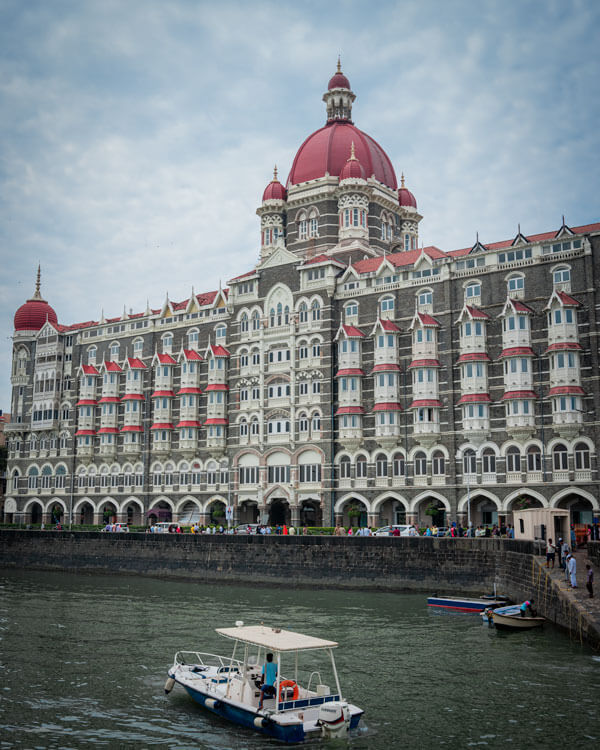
(275,639)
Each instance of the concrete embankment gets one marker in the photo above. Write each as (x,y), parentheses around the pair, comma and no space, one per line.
(467,566)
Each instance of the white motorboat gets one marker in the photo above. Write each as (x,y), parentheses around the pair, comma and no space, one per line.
(230,686)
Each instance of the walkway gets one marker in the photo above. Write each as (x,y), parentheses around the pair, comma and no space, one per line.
(579,597)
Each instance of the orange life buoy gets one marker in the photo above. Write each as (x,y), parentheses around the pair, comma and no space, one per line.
(289,684)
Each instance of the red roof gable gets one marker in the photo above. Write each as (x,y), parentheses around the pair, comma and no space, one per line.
(349,372)
(474,357)
(219,351)
(352,332)
(398,260)
(112,367)
(166,359)
(564,346)
(424,363)
(386,368)
(89,370)
(567,300)
(475,398)
(475,312)
(136,364)
(517,351)
(509,395)
(425,402)
(388,406)
(428,320)
(190,354)
(567,390)
(350,410)
(388,325)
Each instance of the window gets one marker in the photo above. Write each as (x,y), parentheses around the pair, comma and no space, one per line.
(513,255)
(316,387)
(561,247)
(91,355)
(255,321)
(244,324)
(351,310)
(167,343)
(315,311)
(438,464)
(114,351)
(220,333)
(345,468)
(562,275)
(560,458)
(387,304)
(469,462)
(582,456)
(472,290)
(534,458)
(420,464)
(398,465)
(361,467)
(316,422)
(278,474)
(309,473)
(488,461)
(516,284)
(302,228)
(244,359)
(513,460)
(381,465)
(248,474)
(303,312)
(243,428)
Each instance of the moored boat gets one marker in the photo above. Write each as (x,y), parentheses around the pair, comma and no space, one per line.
(514,621)
(230,686)
(464,604)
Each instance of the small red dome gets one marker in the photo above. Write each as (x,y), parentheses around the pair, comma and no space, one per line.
(338,81)
(275,190)
(327,149)
(405,197)
(353,169)
(33,314)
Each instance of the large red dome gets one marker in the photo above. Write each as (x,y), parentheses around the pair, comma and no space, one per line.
(33,314)
(326,151)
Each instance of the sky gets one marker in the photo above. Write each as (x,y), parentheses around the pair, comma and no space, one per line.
(137,138)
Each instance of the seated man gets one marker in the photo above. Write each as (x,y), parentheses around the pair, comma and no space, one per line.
(269,675)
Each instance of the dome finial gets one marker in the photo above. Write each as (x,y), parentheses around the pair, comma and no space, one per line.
(37,294)
(402,180)
(339,64)
(275,174)
(352,154)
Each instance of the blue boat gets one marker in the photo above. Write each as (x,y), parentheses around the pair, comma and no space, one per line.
(465,604)
(230,686)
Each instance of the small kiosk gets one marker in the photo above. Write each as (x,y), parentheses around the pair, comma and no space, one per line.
(542,523)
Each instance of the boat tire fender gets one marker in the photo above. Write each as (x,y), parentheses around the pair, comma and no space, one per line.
(169,685)
(211,703)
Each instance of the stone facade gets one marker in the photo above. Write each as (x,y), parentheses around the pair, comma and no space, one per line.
(350,376)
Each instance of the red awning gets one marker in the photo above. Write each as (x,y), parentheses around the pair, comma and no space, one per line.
(387,406)
(475,398)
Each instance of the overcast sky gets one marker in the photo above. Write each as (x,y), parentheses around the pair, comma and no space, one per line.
(137,137)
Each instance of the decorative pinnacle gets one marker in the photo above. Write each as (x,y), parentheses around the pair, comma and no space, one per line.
(339,65)
(275,174)
(352,153)
(37,294)
(402,180)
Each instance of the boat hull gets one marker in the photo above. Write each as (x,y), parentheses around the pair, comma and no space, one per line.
(516,622)
(463,604)
(291,733)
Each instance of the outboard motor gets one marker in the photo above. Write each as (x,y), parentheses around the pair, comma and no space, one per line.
(334,719)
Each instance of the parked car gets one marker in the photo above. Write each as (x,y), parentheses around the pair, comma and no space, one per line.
(163,527)
(121,527)
(246,528)
(404,530)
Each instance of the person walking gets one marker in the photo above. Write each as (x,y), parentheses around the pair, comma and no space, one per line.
(589,584)
(550,553)
(565,553)
(572,567)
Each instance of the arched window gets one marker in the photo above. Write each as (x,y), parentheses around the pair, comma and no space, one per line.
(32,478)
(316,422)
(560,458)
(438,464)
(302,226)
(244,324)
(516,284)
(315,311)
(561,275)
(255,321)
(303,422)
(387,305)
(303,312)
(220,332)
(420,464)
(425,298)
(582,456)
(351,310)
(381,465)
(469,461)
(46,477)
(472,290)
(59,477)
(114,351)
(345,468)
(361,467)
(534,458)
(488,461)
(313,223)
(91,355)
(192,337)
(243,428)
(272,317)
(254,427)
(167,343)
(138,347)
(398,465)
(513,460)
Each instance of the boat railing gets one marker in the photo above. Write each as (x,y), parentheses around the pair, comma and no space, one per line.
(203,659)
(315,675)
(316,700)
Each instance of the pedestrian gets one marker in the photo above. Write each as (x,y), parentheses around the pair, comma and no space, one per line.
(550,553)
(559,552)
(589,584)
(572,566)
(573,539)
(565,552)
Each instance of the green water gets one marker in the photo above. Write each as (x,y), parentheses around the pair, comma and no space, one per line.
(83,662)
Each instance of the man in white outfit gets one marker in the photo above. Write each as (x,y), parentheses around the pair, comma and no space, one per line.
(572,568)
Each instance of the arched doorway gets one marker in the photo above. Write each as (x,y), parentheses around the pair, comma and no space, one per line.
(133,514)
(109,513)
(85,514)
(310,513)
(433,512)
(248,512)
(160,511)
(35,513)
(355,513)
(216,511)
(279,512)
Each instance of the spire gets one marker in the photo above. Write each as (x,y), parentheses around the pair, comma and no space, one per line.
(37,295)
(339,64)
(402,180)
(275,174)
(352,154)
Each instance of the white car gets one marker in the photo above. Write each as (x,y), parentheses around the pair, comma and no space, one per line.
(246,528)
(404,530)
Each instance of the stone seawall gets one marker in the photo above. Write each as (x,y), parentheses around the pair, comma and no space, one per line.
(467,566)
